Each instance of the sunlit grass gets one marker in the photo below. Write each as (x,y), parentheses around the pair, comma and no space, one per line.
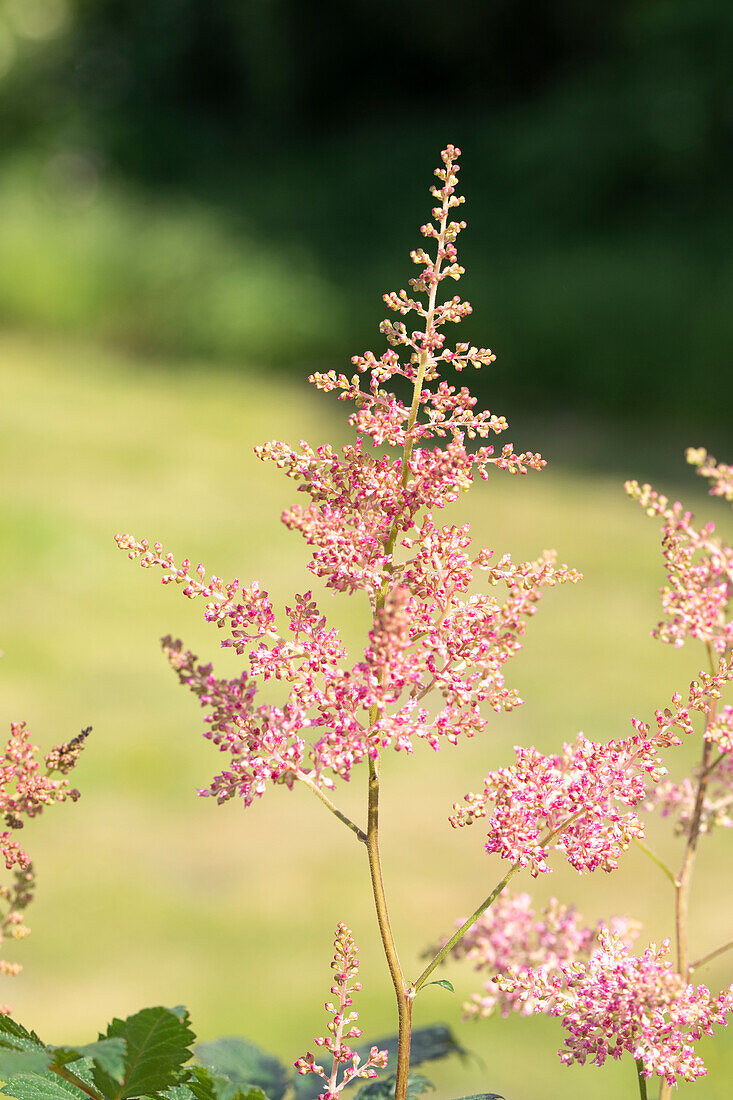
(149,895)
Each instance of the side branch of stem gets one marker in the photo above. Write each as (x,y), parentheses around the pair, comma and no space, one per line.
(659,862)
(460,933)
(710,956)
(361,835)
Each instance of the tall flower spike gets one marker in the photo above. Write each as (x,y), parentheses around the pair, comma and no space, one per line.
(343,1026)
(372,525)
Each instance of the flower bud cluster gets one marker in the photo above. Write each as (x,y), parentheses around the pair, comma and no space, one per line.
(697,597)
(25,791)
(719,474)
(678,800)
(512,935)
(618,1002)
(571,803)
(343,1026)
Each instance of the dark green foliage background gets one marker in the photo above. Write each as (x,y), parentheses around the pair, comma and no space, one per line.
(237,177)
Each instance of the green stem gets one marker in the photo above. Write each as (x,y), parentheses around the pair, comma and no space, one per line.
(659,862)
(684,879)
(712,955)
(457,936)
(333,808)
(404,1004)
(641,1078)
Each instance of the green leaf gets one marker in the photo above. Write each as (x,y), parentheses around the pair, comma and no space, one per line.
(482,1096)
(158,1042)
(245,1066)
(178,1092)
(443,982)
(14,1035)
(205,1085)
(41,1086)
(385,1089)
(21,1051)
(13,1060)
(107,1054)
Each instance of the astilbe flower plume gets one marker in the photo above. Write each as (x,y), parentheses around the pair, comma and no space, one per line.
(697,597)
(371,523)
(610,1000)
(346,1064)
(618,1002)
(512,935)
(26,789)
(572,802)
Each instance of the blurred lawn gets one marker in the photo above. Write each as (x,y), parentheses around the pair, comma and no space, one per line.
(148,895)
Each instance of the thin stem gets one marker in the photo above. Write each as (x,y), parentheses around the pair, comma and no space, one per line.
(333,808)
(417,388)
(404,1005)
(710,956)
(659,862)
(718,760)
(684,879)
(684,884)
(641,1078)
(460,933)
(467,924)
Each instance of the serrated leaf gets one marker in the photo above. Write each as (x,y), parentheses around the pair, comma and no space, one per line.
(443,982)
(482,1096)
(21,1051)
(108,1054)
(13,1060)
(158,1042)
(41,1086)
(206,1085)
(177,1092)
(14,1035)
(385,1089)
(245,1065)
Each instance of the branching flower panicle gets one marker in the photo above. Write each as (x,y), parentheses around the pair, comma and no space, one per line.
(26,789)
(697,597)
(618,1002)
(346,1065)
(610,1000)
(571,802)
(511,935)
(446,620)
(437,650)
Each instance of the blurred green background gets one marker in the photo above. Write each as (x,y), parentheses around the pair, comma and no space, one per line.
(199,203)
